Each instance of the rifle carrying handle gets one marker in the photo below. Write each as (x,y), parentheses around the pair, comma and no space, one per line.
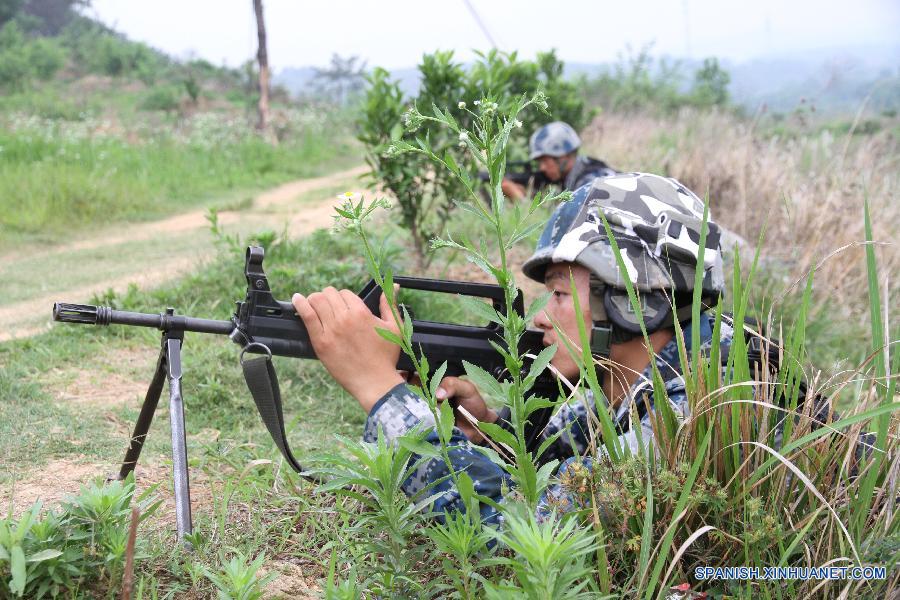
(371,293)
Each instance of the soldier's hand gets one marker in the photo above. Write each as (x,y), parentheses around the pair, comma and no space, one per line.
(343,334)
(465,395)
(512,190)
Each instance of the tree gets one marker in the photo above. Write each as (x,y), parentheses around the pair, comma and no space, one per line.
(711,84)
(9,9)
(340,80)
(262,58)
(53,15)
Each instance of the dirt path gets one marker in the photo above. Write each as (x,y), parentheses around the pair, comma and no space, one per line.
(275,208)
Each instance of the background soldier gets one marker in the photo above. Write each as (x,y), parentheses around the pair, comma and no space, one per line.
(555,148)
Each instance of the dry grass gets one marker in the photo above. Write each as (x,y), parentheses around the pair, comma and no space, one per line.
(808,190)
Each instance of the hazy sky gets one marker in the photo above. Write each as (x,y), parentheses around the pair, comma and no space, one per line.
(395,33)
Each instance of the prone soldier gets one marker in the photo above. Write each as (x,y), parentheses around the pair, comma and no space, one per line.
(656,222)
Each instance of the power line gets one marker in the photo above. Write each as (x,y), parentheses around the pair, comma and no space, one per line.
(481,24)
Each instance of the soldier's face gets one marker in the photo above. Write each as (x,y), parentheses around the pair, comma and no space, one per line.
(560,311)
(549,167)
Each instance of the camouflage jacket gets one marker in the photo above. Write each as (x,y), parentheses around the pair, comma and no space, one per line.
(585,170)
(400,411)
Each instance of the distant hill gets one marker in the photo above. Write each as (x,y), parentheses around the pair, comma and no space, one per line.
(832,80)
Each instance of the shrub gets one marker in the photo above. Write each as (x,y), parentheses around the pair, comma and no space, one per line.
(46,57)
(163,97)
(425,195)
(710,84)
(638,81)
(15,68)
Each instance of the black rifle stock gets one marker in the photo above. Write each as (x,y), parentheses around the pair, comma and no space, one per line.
(262,324)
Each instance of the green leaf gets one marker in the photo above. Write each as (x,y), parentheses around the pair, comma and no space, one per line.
(44,555)
(482,264)
(420,447)
(17,568)
(525,233)
(535,403)
(480,308)
(389,336)
(537,306)
(466,487)
(546,443)
(540,363)
(451,162)
(436,379)
(498,434)
(447,421)
(483,380)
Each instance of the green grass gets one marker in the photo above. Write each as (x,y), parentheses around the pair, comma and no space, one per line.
(59,176)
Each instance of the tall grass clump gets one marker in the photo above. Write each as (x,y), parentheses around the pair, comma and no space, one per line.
(804,184)
(762,472)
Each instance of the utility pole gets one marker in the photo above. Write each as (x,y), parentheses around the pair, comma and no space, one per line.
(262,58)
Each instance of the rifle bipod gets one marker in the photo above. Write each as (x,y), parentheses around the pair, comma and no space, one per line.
(168,366)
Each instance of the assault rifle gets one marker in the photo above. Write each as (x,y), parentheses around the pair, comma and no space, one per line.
(264,325)
(523,173)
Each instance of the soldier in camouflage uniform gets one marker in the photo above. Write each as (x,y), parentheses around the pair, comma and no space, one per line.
(555,147)
(656,223)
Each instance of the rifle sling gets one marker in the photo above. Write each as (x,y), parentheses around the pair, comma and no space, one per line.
(263,385)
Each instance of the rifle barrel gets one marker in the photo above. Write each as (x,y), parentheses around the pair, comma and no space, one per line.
(104,315)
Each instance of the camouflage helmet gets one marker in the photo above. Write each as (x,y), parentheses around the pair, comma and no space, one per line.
(656,223)
(554,139)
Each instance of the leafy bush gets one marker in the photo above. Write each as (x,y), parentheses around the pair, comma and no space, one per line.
(15,69)
(638,81)
(238,580)
(164,97)
(426,196)
(710,84)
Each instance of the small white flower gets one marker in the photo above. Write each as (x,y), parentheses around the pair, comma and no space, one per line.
(348,196)
(517,123)
(477,102)
(460,105)
(463,136)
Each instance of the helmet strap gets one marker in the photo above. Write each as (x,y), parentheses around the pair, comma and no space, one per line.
(601,338)
(563,165)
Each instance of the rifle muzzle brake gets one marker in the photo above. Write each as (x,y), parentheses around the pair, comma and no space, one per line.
(81,313)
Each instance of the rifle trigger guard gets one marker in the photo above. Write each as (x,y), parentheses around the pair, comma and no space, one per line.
(256,345)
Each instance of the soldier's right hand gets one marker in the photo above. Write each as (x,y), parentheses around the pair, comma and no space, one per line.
(464,394)
(512,190)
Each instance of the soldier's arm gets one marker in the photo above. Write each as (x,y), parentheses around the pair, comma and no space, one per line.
(400,412)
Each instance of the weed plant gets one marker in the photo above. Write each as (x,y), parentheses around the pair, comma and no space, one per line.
(73,549)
